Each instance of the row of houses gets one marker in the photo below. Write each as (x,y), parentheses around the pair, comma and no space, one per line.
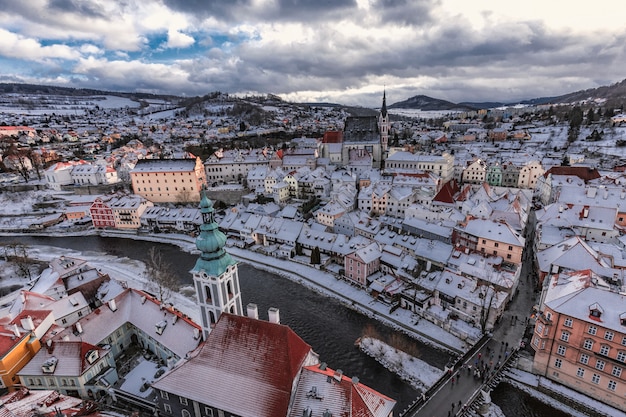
(579,337)
(80,333)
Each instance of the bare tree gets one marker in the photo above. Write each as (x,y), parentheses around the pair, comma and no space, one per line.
(161,275)
(18,254)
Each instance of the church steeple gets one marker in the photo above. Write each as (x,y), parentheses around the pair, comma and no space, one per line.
(215,274)
(383,109)
(384,125)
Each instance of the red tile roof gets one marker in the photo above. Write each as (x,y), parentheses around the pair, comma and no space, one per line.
(333,137)
(249,365)
(447,192)
(584,173)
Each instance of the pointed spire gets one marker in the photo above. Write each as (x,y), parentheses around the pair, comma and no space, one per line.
(383,109)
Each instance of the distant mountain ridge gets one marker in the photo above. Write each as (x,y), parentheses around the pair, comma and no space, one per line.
(16,88)
(615,93)
(426,103)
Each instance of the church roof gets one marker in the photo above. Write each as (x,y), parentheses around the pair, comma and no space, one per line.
(361,129)
(246,367)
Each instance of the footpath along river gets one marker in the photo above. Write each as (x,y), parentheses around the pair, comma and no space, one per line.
(328,326)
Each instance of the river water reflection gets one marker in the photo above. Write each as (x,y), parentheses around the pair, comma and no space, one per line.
(328,326)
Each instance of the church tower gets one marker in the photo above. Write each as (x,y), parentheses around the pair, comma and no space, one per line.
(215,275)
(384,125)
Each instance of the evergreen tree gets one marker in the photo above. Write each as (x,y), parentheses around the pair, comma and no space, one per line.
(315,256)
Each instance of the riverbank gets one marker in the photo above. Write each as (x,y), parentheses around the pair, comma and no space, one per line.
(327,284)
(314,279)
(112,261)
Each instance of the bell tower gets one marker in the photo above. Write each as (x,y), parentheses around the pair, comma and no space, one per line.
(215,275)
(384,125)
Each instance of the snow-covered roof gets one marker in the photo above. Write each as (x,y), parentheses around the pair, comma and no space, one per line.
(495,231)
(322,389)
(249,364)
(142,311)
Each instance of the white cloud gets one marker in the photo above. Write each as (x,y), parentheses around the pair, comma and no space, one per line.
(177,39)
(345,52)
(16,46)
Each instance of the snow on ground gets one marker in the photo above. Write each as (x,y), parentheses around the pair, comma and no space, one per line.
(127,271)
(138,380)
(529,383)
(415,371)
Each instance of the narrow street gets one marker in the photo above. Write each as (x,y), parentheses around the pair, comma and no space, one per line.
(450,399)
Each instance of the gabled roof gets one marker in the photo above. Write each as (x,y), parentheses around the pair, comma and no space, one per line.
(246,367)
(361,129)
(585,173)
(321,388)
(71,359)
(142,311)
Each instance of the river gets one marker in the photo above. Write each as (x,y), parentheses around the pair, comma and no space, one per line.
(328,326)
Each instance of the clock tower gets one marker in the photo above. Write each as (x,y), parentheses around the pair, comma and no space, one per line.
(215,275)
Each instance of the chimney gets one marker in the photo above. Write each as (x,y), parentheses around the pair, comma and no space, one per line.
(355,380)
(23,296)
(253,311)
(79,328)
(16,330)
(337,375)
(27,323)
(112,305)
(274,315)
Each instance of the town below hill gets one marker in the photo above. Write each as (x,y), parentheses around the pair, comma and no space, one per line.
(445,217)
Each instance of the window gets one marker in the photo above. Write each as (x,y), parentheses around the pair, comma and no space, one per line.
(183,400)
(612,385)
(617,371)
(165,395)
(558,363)
(561,350)
(621,356)
(208,411)
(580,373)
(167,408)
(588,344)
(592,330)
(584,359)
(185,413)
(600,364)
(539,328)
(568,322)
(496,244)
(564,336)
(604,350)
(549,315)
(624,340)
(595,379)
(608,335)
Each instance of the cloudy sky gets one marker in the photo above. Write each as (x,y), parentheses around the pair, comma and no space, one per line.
(344,51)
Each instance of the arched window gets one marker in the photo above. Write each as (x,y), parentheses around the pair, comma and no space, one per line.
(185,413)
(207,290)
(229,289)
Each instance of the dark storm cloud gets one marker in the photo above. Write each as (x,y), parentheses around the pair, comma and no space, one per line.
(243,10)
(405,12)
(81,7)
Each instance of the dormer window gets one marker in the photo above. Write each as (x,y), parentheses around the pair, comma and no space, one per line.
(622,319)
(160,326)
(595,311)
